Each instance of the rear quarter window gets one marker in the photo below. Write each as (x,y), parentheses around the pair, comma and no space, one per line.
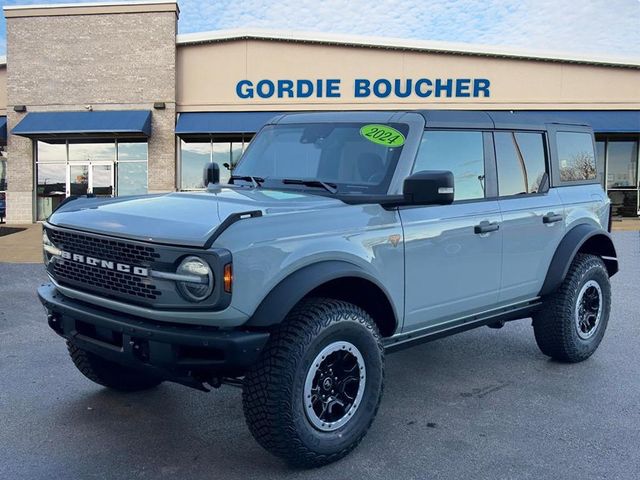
(576,157)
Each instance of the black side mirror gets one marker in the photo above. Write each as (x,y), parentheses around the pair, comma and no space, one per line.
(429,187)
(211,174)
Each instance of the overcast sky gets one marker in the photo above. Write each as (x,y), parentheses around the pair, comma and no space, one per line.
(602,27)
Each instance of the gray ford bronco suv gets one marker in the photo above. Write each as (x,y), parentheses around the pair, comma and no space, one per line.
(340,237)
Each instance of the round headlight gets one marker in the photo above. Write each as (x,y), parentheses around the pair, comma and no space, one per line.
(198,283)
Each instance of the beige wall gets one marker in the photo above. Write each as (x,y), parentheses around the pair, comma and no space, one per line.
(208,73)
(123,60)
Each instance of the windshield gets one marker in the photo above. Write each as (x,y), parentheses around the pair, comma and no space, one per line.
(352,157)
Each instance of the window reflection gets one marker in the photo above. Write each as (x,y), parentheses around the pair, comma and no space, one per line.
(623,161)
(101,168)
(196,153)
(3,174)
(221,155)
(132,178)
(52,152)
(51,188)
(78,179)
(600,159)
(521,162)
(128,151)
(92,152)
(576,156)
(462,153)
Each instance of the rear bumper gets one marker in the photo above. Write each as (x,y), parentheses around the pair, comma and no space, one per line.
(185,354)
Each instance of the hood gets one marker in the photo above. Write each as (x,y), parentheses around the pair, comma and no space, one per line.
(181,218)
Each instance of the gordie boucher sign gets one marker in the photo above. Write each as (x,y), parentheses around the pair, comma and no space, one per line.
(365,88)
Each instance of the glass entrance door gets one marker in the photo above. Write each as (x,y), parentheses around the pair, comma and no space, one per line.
(622,176)
(90,178)
(101,180)
(78,180)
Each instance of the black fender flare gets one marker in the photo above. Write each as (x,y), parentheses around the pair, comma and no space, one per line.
(600,244)
(293,288)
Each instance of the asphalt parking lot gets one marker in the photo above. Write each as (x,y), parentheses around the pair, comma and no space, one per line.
(482,404)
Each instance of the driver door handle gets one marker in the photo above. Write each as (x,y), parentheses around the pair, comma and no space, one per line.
(485,227)
(551,218)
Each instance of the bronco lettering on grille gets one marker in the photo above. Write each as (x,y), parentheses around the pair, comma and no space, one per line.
(106,264)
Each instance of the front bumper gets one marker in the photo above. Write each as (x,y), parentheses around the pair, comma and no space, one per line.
(182,353)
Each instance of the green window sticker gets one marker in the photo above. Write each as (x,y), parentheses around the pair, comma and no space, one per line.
(382,135)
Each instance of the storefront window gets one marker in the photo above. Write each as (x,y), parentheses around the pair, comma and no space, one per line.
(196,154)
(132,178)
(221,155)
(132,168)
(92,152)
(3,185)
(237,149)
(132,151)
(3,173)
(623,163)
(52,152)
(51,188)
(601,148)
(102,168)
(620,155)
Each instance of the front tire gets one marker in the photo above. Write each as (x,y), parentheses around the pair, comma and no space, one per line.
(573,320)
(109,374)
(315,391)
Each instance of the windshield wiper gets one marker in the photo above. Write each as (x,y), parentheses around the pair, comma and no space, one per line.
(329,187)
(255,181)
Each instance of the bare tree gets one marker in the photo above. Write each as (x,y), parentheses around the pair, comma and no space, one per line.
(581,167)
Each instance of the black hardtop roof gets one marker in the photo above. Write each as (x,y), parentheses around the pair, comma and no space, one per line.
(497,119)
(489,119)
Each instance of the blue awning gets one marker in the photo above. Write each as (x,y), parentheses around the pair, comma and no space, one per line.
(3,130)
(602,121)
(208,123)
(135,123)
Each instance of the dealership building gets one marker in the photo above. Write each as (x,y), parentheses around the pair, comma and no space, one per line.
(107,99)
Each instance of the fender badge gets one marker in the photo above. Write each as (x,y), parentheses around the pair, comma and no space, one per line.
(394,239)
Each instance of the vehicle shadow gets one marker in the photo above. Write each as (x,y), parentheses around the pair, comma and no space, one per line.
(172,429)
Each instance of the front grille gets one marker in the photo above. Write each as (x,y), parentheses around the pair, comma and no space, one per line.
(105,248)
(117,282)
(102,280)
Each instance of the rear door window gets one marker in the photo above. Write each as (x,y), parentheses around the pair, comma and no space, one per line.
(460,152)
(521,162)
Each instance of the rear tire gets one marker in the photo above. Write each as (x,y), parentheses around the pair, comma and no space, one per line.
(573,319)
(316,389)
(109,374)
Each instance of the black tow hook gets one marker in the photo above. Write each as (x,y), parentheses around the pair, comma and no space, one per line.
(140,349)
(54,323)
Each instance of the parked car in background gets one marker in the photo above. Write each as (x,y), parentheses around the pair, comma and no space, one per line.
(3,207)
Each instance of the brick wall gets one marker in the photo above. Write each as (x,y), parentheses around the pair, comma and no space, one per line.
(109,61)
